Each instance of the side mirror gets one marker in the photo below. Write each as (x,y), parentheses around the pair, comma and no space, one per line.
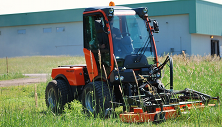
(155,26)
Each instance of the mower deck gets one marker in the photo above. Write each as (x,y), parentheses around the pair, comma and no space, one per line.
(137,115)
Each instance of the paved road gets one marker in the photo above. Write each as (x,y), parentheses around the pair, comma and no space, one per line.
(30,79)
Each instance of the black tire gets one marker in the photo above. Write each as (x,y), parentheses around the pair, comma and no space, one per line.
(96,98)
(57,95)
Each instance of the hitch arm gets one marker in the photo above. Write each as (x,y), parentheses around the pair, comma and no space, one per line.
(190,91)
(159,68)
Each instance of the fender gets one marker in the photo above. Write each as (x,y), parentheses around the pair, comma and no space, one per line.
(71,89)
(73,76)
(61,76)
(99,78)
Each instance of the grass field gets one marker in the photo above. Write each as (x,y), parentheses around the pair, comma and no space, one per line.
(37,64)
(18,104)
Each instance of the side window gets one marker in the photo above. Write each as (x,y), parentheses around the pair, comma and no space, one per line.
(47,30)
(90,40)
(23,31)
(96,37)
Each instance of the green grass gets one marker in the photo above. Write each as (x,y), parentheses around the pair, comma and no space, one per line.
(202,74)
(17,103)
(37,64)
(18,109)
(11,76)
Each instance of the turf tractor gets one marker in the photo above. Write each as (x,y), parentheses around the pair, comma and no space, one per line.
(122,69)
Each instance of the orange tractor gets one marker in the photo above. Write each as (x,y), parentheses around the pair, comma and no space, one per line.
(122,69)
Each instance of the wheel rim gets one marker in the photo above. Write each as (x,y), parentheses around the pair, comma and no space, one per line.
(90,101)
(51,98)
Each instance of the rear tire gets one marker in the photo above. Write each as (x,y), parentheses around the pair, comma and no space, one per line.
(96,98)
(57,95)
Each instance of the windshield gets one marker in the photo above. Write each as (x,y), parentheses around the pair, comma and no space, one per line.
(130,36)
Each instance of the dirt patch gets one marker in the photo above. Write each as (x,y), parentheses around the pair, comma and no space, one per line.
(30,79)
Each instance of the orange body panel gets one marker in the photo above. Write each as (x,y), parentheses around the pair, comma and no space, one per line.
(170,112)
(145,117)
(75,75)
(91,64)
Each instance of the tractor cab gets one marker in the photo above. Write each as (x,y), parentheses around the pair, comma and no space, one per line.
(118,34)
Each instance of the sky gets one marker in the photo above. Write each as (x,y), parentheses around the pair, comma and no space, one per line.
(24,6)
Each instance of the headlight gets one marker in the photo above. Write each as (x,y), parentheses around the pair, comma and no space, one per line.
(158,75)
(110,15)
(145,10)
(116,77)
(121,78)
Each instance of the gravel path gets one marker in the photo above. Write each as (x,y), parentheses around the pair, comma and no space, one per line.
(30,79)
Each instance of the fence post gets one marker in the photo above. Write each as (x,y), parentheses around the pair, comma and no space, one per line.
(7,64)
(36,97)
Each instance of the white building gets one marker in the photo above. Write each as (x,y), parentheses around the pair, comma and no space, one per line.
(194,26)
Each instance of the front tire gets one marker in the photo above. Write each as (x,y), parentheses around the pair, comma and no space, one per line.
(57,95)
(96,97)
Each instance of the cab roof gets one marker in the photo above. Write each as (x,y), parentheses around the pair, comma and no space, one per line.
(107,7)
